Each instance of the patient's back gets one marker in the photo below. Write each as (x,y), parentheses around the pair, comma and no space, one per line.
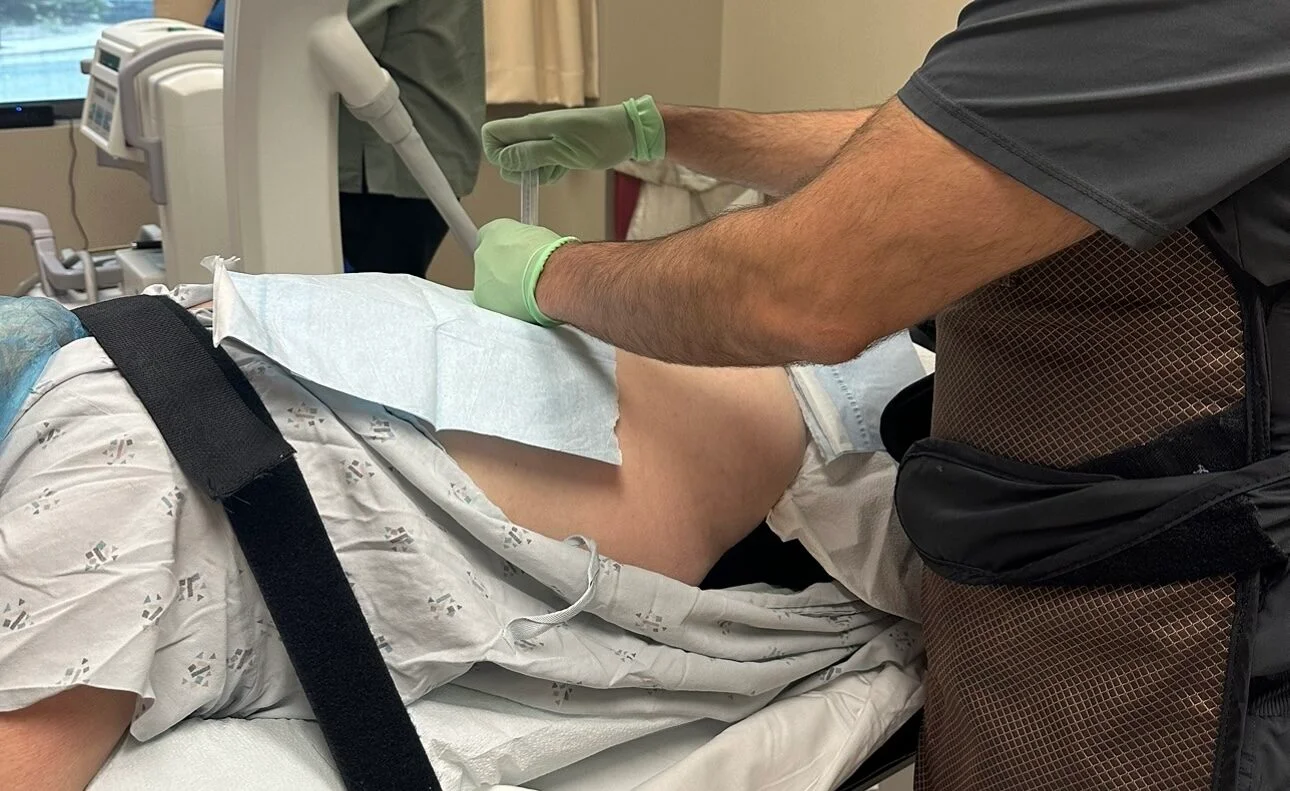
(706,453)
(115,572)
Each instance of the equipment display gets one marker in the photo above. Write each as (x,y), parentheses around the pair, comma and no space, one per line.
(155,106)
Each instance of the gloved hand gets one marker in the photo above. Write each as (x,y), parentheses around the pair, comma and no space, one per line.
(586,138)
(508,262)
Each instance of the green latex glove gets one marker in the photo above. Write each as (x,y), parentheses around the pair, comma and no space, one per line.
(586,138)
(508,262)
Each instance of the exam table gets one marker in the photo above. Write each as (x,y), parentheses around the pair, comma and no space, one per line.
(267,755)
(274,754)
(259,755)
(264,754)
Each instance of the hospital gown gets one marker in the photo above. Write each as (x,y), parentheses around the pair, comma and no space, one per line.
(115,573)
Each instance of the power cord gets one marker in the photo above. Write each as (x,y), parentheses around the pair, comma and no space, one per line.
(71,185)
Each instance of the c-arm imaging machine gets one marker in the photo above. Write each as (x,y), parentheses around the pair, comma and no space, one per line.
(236,136)
(286,61)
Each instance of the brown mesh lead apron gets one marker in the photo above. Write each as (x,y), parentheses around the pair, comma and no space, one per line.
(1089,509)
(226,443)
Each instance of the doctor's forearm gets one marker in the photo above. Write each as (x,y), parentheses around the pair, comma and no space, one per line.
(715,295)
(900,224)
(774,153)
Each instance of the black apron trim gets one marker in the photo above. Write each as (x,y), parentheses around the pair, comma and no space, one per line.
(1270,696)
(1211,444)
(224,440)
(1236,689)
(907,418)
(1255,299)
(979,520)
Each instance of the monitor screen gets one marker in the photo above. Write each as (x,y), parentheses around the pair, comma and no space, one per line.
(110,60)
(42,44)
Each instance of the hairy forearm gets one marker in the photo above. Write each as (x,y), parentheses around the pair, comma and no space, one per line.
(900,224)
(739,290)
(694,298)
(774,153)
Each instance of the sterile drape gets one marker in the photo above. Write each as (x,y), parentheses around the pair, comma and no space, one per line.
(541,51)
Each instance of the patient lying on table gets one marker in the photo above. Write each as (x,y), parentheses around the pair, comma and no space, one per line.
(125,603)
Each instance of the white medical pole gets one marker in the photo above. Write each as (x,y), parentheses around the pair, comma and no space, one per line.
(280,137)
(371,95)
(285,61)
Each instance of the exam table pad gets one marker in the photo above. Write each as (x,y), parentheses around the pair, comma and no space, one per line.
(811,742)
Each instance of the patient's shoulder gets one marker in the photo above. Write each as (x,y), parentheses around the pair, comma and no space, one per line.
(82,424)
(77,373)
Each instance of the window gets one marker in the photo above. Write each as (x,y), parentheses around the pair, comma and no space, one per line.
(42,44)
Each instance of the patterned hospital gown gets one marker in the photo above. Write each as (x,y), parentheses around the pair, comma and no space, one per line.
(115,573)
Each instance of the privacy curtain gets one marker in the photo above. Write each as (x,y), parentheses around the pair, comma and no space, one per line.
(191,11)
(541,51)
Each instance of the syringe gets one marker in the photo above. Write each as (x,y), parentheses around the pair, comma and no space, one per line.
(529,197)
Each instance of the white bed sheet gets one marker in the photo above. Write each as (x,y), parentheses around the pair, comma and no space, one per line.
(270,755)
(811,742)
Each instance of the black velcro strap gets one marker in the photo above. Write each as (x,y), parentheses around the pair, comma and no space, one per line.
(224,440)
(215,425)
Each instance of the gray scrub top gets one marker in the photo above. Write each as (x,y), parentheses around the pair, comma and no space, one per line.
(434,50)
(1142,116)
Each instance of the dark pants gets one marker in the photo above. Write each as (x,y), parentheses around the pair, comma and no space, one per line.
(382,233)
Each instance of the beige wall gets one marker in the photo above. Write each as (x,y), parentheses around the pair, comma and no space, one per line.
(193,11)
(815,54)
(668,48)
(112,204)
(34,165)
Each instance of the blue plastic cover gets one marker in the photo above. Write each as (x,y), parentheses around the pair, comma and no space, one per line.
(31,330)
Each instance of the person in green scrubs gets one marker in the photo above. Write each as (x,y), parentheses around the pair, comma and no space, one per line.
(434,50)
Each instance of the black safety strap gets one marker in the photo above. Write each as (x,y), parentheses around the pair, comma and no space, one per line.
(224,440)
